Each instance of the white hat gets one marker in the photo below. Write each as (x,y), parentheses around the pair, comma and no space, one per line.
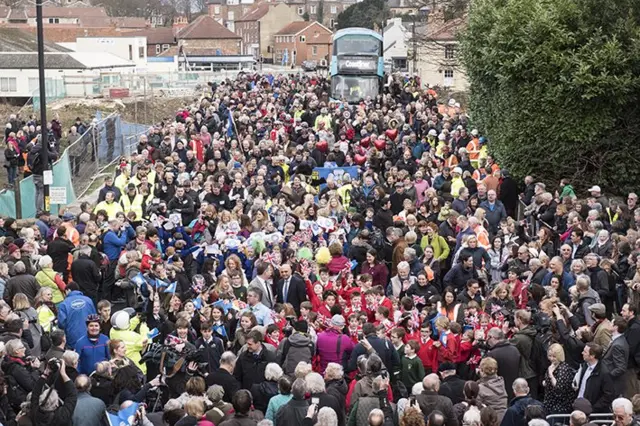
(457,170)
(474,132)
(442,136)
(120,320)
(433,132)
(452,102)
(595,188)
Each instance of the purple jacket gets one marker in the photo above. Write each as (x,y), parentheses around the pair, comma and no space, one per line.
(327,348)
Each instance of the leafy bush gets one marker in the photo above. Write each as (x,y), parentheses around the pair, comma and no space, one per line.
(554,84)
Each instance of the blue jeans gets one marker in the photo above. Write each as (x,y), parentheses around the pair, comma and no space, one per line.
(13,174)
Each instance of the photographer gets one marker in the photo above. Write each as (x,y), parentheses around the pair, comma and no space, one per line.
(21,372)
(45,404)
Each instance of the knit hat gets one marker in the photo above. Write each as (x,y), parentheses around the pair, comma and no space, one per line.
(337,321)
(215,393)
(12,248)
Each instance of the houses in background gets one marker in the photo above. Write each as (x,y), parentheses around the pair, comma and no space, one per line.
(303,41)
(259,26)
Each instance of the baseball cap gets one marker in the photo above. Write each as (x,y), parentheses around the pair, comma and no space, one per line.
(594,188)
(598,308)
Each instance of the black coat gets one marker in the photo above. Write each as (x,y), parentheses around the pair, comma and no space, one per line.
(633,338)
(508,358)
(211,352)
(338,389)
(327,400)
(86,274)
(262,394)
(453,388)
(600,390)
(225,379)
(63,414)
(292,413)
(59,250)
(250,369)
(430,401)
(297,292)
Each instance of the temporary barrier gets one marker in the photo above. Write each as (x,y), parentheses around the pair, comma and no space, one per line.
(564,419)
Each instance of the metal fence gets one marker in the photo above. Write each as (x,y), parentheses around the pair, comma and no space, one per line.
(100,148)
(564,419)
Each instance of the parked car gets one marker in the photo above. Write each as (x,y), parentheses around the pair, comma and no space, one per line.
(309,65)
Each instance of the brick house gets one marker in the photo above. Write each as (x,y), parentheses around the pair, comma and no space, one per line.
(303,41)
(227,12)
(206,34)
(259,26)
(330,9)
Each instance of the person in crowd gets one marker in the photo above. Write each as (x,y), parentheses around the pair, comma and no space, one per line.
(220,245)
(518,406)
(89,410)
(593,381)
(492,392)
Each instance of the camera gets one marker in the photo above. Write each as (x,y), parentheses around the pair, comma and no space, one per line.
(54,365)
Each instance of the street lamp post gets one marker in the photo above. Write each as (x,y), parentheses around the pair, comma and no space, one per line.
(44,140)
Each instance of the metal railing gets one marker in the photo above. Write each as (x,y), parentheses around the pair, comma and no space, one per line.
(564,419)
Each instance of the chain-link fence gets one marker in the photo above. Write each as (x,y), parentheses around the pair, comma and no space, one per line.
(100,148)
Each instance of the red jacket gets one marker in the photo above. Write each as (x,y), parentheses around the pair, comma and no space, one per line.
(428,354)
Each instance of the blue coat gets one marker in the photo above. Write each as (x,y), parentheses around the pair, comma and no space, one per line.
(515,415)
(91,353)
(72,316)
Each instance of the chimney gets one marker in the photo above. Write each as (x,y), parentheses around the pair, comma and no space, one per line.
(179,22)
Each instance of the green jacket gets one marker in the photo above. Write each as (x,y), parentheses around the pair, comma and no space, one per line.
(412,371)
(439,244)
(567,191)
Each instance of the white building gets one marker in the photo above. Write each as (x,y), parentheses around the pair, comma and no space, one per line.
(396,45)
(133,49)
(439,56)
(71,74)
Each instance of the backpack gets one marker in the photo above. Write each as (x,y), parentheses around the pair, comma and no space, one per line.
(15,393)
(539,361)
(33,159)
(292,355)
(376,239)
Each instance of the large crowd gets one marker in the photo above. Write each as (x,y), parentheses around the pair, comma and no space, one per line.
(272,256)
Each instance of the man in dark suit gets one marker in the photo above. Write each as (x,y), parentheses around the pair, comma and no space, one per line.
(593,381)
(616,357)
(507,355)
(291,288)
(452,385)
(224,377)
(429,400)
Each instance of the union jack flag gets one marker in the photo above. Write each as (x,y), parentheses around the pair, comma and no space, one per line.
(269,258)
(419,300)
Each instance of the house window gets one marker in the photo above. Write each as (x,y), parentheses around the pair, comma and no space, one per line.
(54,20)
(216,10)
(312,10)
(268,49)
(332,23)
(131,52)
(231,15)
(334,10)
(157,49)
(314,50)
(449,52)
(141,52)
(448,73)
(165,47)
(8,84)
(300,10)
(303,39)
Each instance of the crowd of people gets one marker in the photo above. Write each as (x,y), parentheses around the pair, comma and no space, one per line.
(270,256)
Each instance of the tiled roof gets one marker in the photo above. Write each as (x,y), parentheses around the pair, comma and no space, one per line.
(128,22)
(158,35)
(4,11)
(446,30)
(294,28)
(62,60)
(67,12)
(60,34)
(255,13)
(15,40)
(205,27)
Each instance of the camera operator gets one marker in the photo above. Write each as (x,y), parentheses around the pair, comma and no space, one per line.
(45,403)
(21,370)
